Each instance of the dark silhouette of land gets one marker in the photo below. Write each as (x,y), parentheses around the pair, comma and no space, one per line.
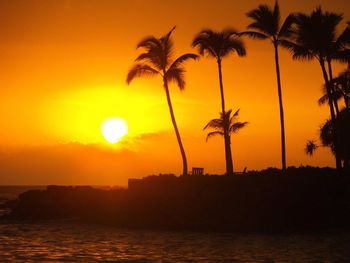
(302,199)
(272,200)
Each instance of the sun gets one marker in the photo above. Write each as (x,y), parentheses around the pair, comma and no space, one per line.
(114,129)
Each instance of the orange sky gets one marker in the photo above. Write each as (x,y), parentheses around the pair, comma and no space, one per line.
(63,65)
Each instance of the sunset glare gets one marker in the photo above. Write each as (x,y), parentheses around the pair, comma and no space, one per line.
(174,131)
(114,129)
(64,66)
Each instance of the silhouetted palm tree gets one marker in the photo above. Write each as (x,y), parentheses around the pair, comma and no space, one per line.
(311,147)
(157,60)
(267,25)
(342,138)
(219,45)
(227,124)
(314,37)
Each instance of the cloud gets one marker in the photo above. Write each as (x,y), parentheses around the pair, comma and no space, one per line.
(75,163)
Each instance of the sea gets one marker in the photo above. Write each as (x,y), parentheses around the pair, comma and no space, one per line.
(62,241)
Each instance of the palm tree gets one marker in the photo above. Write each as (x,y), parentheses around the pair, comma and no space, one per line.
(219,45)
(314,37)
(226,124)
(267,25)
(157,60)
(342,139)
(311,147)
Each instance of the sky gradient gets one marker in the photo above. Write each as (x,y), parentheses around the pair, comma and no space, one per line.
(63,66)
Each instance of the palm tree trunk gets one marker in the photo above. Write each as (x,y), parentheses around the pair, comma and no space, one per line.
(228,153)
(178,137)
(331,83)
(283,139)
(331,108)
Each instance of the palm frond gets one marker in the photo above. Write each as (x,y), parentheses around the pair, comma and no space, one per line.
(298,52)
(276,15)
(265,20)
(254,35)
(204,42)
(140,70)
(167,36)
(153,56)
(176,75)
(286,29)
(344,38)
(149,42)
(235,127)
(182,59)
(218,44)
(323,100)
(214,133)
(233,45)
(234,116)
(167,47)
(316,33)
(342,56)
(310,147)
(214,124)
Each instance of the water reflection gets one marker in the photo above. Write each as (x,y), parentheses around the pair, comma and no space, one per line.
(82,243)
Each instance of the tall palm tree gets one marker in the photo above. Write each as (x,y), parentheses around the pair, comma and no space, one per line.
(157,60)
(219,45)
(314,36)
(226,124)
(267,25)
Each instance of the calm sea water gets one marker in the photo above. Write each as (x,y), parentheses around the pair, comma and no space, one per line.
(69,242)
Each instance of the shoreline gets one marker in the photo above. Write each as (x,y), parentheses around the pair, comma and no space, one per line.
(265,203)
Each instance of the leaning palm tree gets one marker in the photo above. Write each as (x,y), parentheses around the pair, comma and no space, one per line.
(157,60)
(219,45)
(267,25)
(314,36)
(226,124)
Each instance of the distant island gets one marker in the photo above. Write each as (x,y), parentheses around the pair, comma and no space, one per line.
(302,199)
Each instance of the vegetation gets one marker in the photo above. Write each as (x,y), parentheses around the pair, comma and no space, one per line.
(157,60)
(342,125)
(307,36)
(304,199)
(219,45)
(315,38)
(267,25)
(226,124)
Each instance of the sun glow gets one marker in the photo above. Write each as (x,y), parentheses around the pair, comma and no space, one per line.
(114,129)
